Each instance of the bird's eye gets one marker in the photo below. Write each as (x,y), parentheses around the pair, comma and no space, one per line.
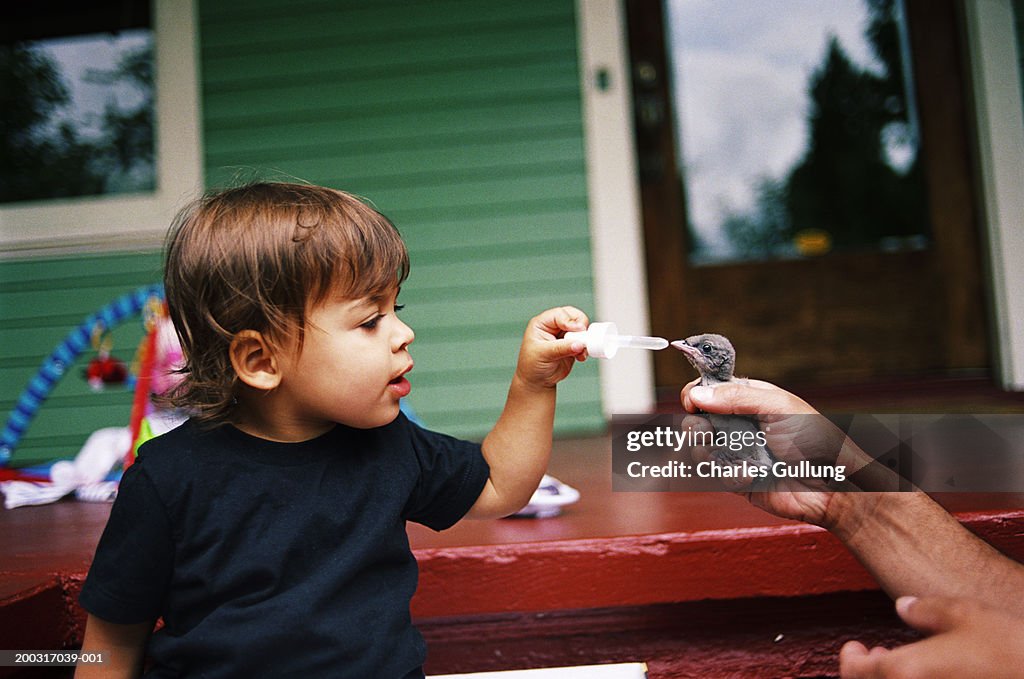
(706,348)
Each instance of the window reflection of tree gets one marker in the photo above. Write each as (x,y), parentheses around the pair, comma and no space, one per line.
(859,181)
(45,151)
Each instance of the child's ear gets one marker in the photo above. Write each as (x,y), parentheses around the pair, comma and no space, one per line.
(254,361)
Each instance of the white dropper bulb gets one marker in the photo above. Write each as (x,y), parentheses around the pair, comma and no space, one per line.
(604,341)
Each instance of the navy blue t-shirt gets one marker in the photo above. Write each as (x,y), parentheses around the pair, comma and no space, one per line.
(279,559)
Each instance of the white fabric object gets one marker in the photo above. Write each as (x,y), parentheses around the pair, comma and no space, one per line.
(549,498)
(25,493)
(85,475)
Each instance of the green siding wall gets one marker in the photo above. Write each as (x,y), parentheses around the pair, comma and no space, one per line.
(460,120)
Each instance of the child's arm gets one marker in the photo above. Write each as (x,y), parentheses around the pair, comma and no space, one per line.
(518,447)
(123,649)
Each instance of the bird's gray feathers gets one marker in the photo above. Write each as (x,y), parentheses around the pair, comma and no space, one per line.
(715,359)
(736,425)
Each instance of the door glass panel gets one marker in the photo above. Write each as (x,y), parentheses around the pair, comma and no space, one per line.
(797,128)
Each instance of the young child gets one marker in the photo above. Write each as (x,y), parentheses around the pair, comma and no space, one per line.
(268,531)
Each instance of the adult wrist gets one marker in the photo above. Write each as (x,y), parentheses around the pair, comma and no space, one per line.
(856,515)
(848,512)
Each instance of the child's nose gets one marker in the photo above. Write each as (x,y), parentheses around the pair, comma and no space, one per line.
(403,336)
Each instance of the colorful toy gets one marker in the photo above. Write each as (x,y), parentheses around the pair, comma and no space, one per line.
(159,359)
(104,369)
(57,363)
(91,474)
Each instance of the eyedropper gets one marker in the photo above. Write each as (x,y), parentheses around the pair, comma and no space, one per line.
(603,340)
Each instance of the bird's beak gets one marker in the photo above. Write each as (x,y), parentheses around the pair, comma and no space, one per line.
(692,355)
(682,346)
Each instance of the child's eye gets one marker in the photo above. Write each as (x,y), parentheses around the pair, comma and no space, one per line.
(372,323)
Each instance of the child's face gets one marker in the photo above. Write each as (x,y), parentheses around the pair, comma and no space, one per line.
(351,367)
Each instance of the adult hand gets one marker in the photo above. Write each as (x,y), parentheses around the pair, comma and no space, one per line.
(968,640)
(794,431)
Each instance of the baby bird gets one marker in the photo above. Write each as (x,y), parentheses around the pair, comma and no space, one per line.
(712,355)
(715,359)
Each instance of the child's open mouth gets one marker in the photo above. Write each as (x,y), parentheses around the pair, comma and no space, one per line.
(400,386)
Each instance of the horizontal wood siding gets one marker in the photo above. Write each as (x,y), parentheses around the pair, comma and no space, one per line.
(459,119)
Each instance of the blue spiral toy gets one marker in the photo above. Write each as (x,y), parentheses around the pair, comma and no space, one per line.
(57,363)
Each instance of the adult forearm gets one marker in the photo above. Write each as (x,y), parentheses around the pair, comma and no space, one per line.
(912,546)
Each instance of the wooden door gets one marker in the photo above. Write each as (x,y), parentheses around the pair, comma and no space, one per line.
(839,317)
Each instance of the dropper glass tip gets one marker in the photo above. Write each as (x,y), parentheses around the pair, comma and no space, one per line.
(641,342)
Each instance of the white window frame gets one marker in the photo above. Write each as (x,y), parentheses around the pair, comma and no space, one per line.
(129,221)
(613,197)
(995,64)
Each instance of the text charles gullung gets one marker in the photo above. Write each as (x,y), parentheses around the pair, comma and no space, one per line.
(667,438)
(712,469)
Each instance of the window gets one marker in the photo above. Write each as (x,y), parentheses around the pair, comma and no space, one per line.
(78,110)
(102,132)
(797,128)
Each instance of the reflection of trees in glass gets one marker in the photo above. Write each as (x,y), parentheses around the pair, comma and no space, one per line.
(767,229)
(126,146)
(38,159)
(851,182)
(44,153)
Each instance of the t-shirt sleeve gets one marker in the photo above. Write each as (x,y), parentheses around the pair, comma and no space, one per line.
(452,476)
(132,567)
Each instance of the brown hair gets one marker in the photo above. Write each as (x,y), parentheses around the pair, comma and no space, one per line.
(258,257)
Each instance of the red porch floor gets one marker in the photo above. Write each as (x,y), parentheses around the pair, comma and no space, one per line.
(694,584)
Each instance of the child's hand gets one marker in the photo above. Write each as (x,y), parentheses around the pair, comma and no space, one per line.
(546,358)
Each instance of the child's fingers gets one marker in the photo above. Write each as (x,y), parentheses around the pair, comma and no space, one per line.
(563,348)
(562,319)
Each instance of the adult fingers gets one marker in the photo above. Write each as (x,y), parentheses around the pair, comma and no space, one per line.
(935,614)
(739,398)
(856,661)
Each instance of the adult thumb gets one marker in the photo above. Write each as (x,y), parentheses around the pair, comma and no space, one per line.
(934,614)
(744,398)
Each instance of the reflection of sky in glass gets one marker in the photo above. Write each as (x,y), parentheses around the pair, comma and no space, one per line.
(83,60)
(741,70)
